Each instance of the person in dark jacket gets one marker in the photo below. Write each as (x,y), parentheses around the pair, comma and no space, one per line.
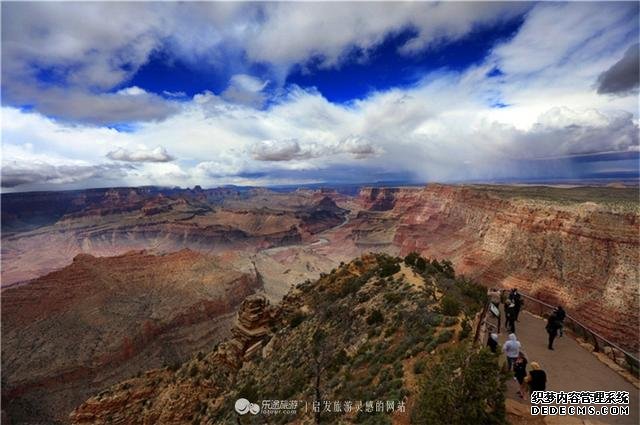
(492,342)
(510,317)
(560,316)
(517,301)
(552,329)
(520,372)
(537,378)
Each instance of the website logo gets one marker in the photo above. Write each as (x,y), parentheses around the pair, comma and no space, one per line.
(244,406)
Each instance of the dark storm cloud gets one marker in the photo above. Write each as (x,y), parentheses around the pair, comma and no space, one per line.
(16,174)
(92,108)
(624,76)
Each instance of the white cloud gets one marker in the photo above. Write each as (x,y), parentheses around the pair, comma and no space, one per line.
(132,91)
(296,32)
(273,150)
(159,154)
(90,48)
(246,90)
(443,127)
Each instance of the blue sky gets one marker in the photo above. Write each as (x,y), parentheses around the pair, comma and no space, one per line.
(102,94)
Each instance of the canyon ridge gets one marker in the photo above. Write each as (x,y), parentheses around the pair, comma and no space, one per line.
(101,285)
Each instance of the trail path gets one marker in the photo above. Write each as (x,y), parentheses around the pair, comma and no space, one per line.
(569,367)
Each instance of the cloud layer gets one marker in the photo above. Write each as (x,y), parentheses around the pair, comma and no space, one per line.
(158,154)
(531,99)
(624,76)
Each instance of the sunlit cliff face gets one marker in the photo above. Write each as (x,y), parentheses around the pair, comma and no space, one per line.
(264,94)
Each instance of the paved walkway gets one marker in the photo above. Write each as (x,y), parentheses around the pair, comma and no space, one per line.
(569,367)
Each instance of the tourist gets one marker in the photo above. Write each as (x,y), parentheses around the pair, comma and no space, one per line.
(494,297)
(510,317)
(552,329)
(492,343)
(537,378)
(560,316)
(511,349)
(520,372)
(517,301)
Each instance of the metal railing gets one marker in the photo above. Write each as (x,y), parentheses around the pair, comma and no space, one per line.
(579,329)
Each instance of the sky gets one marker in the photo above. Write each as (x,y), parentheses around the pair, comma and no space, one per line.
(240,93)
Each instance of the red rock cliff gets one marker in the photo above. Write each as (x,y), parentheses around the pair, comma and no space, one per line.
(576,247)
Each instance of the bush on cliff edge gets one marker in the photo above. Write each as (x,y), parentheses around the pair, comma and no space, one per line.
(465,386)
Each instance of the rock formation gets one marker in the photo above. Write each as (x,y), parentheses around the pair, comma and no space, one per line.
(143,399)
(366,325)
(576,247)
(77,330)
(108,222)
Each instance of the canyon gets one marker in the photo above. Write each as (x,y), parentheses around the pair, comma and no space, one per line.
(571,246)
(102,319)
(104,284)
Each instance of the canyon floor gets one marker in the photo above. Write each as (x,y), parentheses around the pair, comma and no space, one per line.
(104,284)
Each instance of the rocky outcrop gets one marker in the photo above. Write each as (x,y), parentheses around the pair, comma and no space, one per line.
(357,332)
(321,216)
(72,332)
(134,403)
(576,247)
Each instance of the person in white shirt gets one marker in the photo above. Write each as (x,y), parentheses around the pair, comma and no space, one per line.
(511,348)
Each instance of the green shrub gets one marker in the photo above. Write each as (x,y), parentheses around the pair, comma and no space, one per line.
(466,329)
(410,259)
(297,318)
(375,317)
(374,332)
(419,367)
(421,264)
(392,297)
(431,346)
(464,387)
(447,269)
(450,306)
(435,320)
(389,269)
(387,266)
(450,321)
(193,371)
(444,336)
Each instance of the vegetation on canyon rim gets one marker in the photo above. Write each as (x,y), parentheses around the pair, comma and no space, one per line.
(377,328)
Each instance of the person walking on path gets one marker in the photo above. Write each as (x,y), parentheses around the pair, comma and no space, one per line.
(537,378)
(511,349)
(520,372)
(492,343)
(552,329)
(510,317)
(517,301)
(560,316)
